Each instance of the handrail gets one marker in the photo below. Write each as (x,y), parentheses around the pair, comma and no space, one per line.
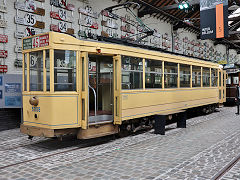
(95,98)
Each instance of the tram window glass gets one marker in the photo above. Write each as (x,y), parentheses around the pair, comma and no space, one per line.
(206,77)
(214,77)
(170,75)
(196,76)
(220,79)
(153,74)
(47,65)
(25,72)
(64,70)
(185,75)
(228,82)
(36,71)
(132,73)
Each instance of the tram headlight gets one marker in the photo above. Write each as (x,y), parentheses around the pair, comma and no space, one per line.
(34,101)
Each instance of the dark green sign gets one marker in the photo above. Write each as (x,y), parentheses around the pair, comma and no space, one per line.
(27,44)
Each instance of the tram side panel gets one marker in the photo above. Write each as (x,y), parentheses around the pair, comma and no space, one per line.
(146,103)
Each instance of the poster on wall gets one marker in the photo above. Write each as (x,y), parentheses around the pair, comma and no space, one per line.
(13,101)
(213,19)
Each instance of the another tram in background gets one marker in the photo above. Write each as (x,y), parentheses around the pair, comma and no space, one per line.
(233,75)
(92,88)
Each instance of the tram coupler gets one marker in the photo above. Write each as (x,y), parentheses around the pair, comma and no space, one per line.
(160,122)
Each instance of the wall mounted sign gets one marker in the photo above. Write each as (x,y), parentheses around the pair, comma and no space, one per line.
(3,23)
(3,68)
(13,101)
(18,63)
(3,38)
(35,42)
(62,4)
(109,14)
(18,49)
(29,20)
(213,19)
(60,15)
(19,34)
(88,12)
(61,27)
(29,31)
(109,23)
(3,8)
(3,53)
(30,7)
(89,24)
(13,87)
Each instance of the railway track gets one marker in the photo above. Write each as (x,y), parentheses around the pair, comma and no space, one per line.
(227,168)
(67,144)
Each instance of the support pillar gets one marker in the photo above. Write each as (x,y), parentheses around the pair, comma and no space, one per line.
(181,123)
(160,122)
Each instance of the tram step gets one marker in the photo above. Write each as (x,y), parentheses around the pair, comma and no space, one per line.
(100,119)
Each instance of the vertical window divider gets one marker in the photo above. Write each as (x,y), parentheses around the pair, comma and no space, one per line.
(23,74)
(218,78)
(144,73)
(191,72)
(77,71)
(44,72)
(210,77)
(28,72)
(51,54)
(162,74)
(178,77)
(201,77)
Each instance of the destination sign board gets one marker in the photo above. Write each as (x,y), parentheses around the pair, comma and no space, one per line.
(30,8)
(3,68)
(3,38)
(35,42)
(3,53)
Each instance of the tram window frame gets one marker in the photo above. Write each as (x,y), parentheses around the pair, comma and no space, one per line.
(196,76)
(25,72)
(170,76)
(206,77)
(130,67)
(214,77)
(185,75)
(47,67)
(153,72)
(39,68)
(60,65)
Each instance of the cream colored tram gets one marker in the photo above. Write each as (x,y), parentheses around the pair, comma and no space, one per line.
(91,88)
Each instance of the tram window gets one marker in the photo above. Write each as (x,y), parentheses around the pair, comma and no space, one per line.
(185,75)
(64,70)
(47,65)
(220,79)
(228,82)
(206,77)
(153,75)
(214,77)
(132,73)
(25,72)
(170,75)
(36,71)
(196,76)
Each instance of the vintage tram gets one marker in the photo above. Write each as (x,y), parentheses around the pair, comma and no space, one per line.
(91,88)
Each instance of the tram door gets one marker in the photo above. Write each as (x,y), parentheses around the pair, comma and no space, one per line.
(100,89)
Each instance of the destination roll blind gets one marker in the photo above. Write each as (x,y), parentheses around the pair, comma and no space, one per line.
(214,19)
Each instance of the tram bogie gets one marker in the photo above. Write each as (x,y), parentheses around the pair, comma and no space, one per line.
(92,89)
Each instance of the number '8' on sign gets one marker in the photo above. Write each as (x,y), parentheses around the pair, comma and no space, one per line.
(62,26)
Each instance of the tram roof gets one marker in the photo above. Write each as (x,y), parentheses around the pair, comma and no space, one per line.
(114,44)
